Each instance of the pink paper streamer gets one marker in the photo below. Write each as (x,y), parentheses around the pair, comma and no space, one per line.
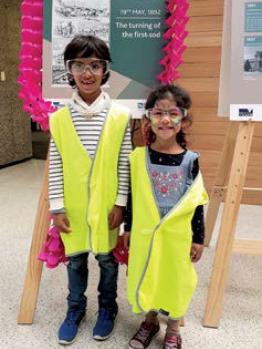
(175,35)
(30,80)
(52,252)
(30,68)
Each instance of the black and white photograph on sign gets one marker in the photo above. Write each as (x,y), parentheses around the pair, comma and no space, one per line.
(252,60)
(72,17)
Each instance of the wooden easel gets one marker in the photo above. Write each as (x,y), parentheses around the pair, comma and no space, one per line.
(236,151)
(34,267)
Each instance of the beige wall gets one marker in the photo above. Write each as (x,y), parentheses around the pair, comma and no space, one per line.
(200,75)
(15,132)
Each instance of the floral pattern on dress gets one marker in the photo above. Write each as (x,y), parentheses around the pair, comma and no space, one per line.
(167,182)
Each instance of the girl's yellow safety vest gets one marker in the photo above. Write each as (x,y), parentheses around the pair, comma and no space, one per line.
(161,275)
(90,186)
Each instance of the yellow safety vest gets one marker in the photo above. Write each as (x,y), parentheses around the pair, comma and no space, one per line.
(90,186)
(161,275)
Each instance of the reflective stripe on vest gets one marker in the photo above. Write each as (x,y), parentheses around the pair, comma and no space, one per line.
(161,275)
(90,187)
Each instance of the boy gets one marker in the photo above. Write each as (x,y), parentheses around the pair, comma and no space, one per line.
(88,181)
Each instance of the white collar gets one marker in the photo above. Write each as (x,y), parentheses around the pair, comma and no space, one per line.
(103,102)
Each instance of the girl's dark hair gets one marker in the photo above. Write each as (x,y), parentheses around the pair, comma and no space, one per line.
(84,46)
(182,99)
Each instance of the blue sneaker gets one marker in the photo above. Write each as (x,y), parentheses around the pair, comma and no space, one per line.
(105,324)
(69,328)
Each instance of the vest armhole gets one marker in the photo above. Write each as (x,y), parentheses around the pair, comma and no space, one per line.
(54,123)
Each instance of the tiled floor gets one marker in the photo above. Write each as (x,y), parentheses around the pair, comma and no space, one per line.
(240,326)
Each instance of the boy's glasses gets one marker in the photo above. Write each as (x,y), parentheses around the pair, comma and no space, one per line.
(93,65)
(175,114)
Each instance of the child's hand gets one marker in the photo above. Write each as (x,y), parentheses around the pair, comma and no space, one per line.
(116,217)
(196,252)
(61,221)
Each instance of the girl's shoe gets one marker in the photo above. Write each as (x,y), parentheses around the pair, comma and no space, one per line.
(172,342)
(144,335)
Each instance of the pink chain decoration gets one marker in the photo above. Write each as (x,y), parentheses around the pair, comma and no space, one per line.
(53,252)
(30,80)
(175,34)
(30,68)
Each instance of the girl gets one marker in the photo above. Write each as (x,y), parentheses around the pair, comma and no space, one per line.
(167,198)
(88,182)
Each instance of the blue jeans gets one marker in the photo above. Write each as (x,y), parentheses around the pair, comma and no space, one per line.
(78,277)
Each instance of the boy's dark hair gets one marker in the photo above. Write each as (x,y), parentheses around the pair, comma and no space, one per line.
(182,99)
(84,46)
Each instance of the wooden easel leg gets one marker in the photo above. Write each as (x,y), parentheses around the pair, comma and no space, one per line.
(217,193)
(34,267)
(228,224)
(213,207)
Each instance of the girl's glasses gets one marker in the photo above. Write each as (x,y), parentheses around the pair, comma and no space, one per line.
(93,65)
(176,114)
